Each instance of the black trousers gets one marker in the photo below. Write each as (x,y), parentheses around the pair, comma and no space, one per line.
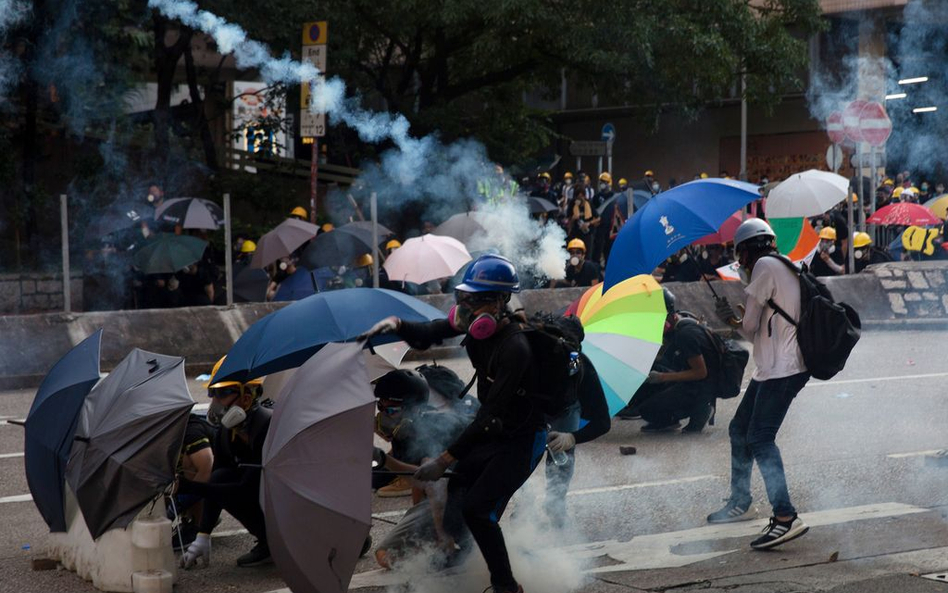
(487,478)
(236,491)
(675,402)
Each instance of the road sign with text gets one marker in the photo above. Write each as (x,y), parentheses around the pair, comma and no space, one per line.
(315,34)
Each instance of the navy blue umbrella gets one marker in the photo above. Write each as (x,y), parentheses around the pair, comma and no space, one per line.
(296,286)
(51,425)
(287,338)
(673,220)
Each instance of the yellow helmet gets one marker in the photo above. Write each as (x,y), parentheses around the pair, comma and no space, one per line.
(829,233)
(327,227)
(897,192)
(248,247)
(567,175)
(623,181)
(704,175)
(212,385)
(298,211)
(855,197)
(606,177)
(649,173)
(576,244)
(861,240)
(393,244)
(888,182)
(363,260)
(545,175)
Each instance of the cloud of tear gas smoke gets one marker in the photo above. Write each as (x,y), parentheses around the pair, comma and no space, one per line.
(442,177)
(915,47)
(12,12)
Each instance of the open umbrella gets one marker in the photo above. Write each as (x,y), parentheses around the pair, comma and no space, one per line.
(938,205)
(425,258)
(51,425)
(363,230)
(298,285)
(128,439)
(623,334)
(810,193)
(541,206)
(462,227)
(796,238)
(288,337)
(672,220)
(283,240)
(621,200)
(904,214)
(167,253)
(335,248)
(322,428)
(725,234)
(250,286)
(191,213)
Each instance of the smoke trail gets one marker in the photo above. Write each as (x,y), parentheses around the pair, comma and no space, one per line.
(12,13)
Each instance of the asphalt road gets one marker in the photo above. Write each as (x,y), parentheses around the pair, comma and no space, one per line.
(854,450)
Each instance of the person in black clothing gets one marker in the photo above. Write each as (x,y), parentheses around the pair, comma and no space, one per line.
(713,258)
(195,463)
(501,447)
(239,441)
(196,285)
(686,388)
(604,215)
(829,259)
(566,433)
(865,253)
(837,220)
(579,270)
(678,268)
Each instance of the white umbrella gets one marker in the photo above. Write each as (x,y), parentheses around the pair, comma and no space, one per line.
(810,193)
(425,258)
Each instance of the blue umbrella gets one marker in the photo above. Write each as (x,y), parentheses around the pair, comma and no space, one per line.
(296,286)
(673,220)
(51,425)
(287,338)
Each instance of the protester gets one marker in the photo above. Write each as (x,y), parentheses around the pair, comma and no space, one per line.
(582,215)
(298,213)
(649,180)
(195,463)
(680,267)
(604,215)
(565,193)
(779,375)
(500,449)
(865,253)
(684,383)
(579,270)
(713,256)
(234,485)
(197,285)
(829,261)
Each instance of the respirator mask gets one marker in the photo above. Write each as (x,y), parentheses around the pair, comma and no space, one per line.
(574,261)
(228,416)
(857,253)
(387,421)
(462,317)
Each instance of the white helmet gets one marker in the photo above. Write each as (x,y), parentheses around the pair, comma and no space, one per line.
(751,229)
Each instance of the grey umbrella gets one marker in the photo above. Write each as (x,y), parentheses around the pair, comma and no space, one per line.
(283,240)
(316,491)
(461,226)
(128,439)
(191,213)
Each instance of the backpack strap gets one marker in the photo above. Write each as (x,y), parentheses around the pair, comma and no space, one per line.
(770,302)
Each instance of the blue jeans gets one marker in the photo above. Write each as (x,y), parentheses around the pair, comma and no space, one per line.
(558,477)
(753,432)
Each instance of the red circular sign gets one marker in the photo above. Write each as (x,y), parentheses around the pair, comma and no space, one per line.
(874,124)
(834,128)
(851,120)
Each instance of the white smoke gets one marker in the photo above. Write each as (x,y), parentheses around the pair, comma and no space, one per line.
(509,229)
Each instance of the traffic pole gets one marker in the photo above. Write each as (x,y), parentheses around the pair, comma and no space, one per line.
(64,222)
(374,207)
(228,252)
(313,174)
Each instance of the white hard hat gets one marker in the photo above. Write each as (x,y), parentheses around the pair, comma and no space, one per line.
(751,228)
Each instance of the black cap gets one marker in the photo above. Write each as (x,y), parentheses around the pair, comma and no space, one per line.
(403,386)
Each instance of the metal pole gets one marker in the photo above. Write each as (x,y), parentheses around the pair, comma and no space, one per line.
(743,175)
(64,222)
(313,175)
(228,252)
(860,189)
(374,207)
(600,166)
(579,163)
(609,152)
(849,249)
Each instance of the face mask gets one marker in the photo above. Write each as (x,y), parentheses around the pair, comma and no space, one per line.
(831,249)
(283,266)
(151,198)
(656,187)
(603,186)
(569,182)
(233,417)
(704,255)
(386,425)
(358,282)
(744,275)
(857,253)
(574,261)
(480,328)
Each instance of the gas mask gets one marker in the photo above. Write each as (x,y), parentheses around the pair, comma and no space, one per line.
(151,198)
(574,261)
(603,186)
(828,247)
(386,425)
(858,253)
(233,417)
(481,327)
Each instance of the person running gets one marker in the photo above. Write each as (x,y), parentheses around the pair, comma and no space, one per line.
(778,378)
(499,450)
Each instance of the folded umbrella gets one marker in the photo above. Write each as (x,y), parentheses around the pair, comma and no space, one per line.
(672,220)
(322,428)
(167,253)
(810,193)
(51,425)
(623,334)
(288,337)
(904,214)
(462,227)
(284,239)
(426,258)
(191,213)
(128,439)
(335,248)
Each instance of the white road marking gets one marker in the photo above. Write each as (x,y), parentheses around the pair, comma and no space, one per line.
(912,454)
(17,498)
(876,379)
(231,533)
(10,455)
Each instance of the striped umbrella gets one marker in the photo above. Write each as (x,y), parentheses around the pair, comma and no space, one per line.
(623,334)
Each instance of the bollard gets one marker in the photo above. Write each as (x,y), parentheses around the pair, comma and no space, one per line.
(152,581)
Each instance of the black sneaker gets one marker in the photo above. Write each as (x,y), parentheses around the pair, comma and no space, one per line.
(730,513)
(661,427)
(780,532)
(257,556)
(366,546)
(699,419)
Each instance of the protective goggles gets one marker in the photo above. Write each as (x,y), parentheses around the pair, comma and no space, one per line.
(390,410)
(225,391)
(474,299)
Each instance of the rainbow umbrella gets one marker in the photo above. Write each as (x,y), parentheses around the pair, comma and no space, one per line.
(623,334)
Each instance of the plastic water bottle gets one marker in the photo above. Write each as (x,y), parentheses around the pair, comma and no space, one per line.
(573,363)
(559,457)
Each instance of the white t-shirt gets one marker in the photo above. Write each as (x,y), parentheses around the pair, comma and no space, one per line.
(776,352)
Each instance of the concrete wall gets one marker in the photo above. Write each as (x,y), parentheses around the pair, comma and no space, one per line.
(34,293)
(889,294)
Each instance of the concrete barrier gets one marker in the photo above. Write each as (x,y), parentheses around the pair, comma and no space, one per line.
(888,294)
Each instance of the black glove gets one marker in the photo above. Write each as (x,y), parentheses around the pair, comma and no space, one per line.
(379,457)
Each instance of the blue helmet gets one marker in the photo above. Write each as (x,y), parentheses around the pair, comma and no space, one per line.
(490,273)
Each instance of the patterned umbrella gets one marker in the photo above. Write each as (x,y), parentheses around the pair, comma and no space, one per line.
(904,214)
(191,213)
(623,334)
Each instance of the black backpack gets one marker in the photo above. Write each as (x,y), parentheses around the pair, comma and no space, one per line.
(555,343)
(732,360)
(827,331)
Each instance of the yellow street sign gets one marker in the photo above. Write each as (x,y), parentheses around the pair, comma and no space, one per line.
(314,33)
